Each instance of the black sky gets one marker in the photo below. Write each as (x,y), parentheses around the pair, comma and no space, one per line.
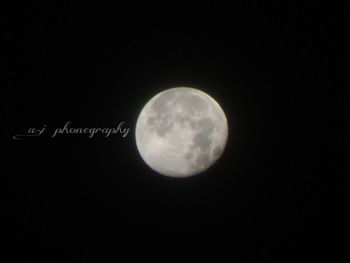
(75,199)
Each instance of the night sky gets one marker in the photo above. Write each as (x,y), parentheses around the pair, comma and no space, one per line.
(72,198)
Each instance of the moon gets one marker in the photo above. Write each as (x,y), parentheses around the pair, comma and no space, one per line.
(181,132)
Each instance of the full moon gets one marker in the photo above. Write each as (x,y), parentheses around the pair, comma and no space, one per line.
(181,132)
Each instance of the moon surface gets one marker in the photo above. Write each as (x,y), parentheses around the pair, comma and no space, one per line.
(181,132)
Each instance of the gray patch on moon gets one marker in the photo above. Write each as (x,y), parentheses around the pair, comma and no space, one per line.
(202,160)
(191,103)
(161,104)
(151,120)
(217,152)
(202,141)
(162,109)
(188,156)
(163,128)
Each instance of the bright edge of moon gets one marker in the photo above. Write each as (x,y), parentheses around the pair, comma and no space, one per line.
(181,132)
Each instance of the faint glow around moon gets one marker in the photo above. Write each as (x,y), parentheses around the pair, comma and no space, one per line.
(181,132)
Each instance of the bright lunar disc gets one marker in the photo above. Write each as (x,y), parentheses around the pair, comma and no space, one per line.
(181,132)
